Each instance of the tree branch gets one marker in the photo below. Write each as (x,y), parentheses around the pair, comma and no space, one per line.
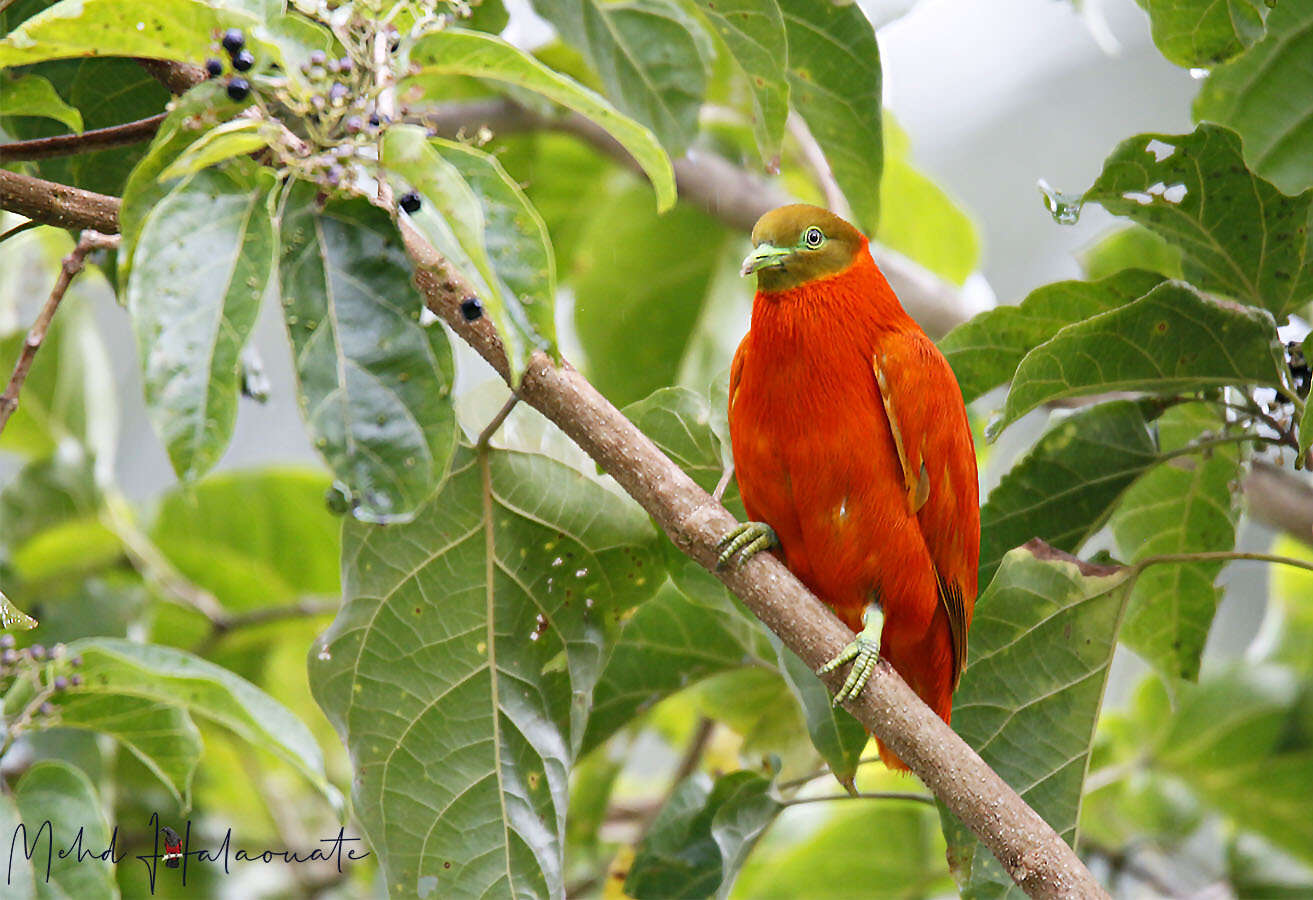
(72,264)
(57,204)
(86,142)
(1031,851)
(1280,499)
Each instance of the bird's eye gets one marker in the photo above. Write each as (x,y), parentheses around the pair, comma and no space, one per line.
(812,237)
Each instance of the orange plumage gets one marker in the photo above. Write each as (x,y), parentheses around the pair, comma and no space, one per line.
(864,510)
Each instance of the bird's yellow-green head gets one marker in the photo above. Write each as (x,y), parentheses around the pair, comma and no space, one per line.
(798,243)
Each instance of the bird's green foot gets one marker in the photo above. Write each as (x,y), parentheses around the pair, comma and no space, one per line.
(747,540)
(864,651)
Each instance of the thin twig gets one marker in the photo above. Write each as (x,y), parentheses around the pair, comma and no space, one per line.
(88,141)
(814,157)
(491,428)
(1224,556)
(73,263)
(225,624)
(19,229)
(821,773)
(868,795)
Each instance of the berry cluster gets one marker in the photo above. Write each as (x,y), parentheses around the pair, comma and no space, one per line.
(234,43)
(44,669)
(1299,367)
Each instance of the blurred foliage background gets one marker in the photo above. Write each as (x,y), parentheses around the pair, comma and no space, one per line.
(485,662)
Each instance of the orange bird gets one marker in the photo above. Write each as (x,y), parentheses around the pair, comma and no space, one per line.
(853,454)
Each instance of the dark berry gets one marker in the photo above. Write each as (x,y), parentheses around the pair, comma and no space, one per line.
(243,60)
(410,202)
(335,173)
(36,651)
(47,709)
(214,67)
(233,40)
(354,125)
(471,308)
(75,661)
(374,120)
(60,683)
(318,57)
(239,88)
(6,641)
(344,65)
(75,680)
(337,92)
(9,657)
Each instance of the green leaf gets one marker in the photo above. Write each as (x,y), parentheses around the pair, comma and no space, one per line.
(837,736)
(453,51)
(1235,740)
(1205,32)
(1131,247)
(1042,640)
(457,227)
(515,236)
(691,629)
(834,80)
(919,220)
(236,138)
(374,384)
(1063,489)
(699,839)
(680,422)
(1184,505)
(501,592)
(1265,97)
(985,351)
(885,849)
(753,30)
(650,55)
(158,733)
(639,283)
(192,115)
(1173,339)
(177,29)
(253,538)
(12,618)
(1239,235)
(32,95)
(105,92)
(57,792)
(111,666)
(201,264)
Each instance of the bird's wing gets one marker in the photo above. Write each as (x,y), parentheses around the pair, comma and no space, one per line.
(933,439)
(736,370)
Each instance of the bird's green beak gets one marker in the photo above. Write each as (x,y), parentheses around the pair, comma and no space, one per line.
(765,256)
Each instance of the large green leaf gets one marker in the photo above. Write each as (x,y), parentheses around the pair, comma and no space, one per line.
(1239,234)
(105,92)
(56,792)
(374,385)
(458,226)
(500,594)
(834,79)
(920,220)
(639,284)
(111,666)
(753,30)
(172,29)
(202,263)
(1131,246)
(1172,339)
(691,629)
(192,114)
(1063,489)
(984,352)
(20,881)
(157,732)
(699,839)
(1042,640)
(1182,506)
(1266,97)
(1205,32)
(453,51)
(650,55)
(32,95)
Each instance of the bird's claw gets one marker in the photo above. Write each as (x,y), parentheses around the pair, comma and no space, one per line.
(864,652)
(746,540)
